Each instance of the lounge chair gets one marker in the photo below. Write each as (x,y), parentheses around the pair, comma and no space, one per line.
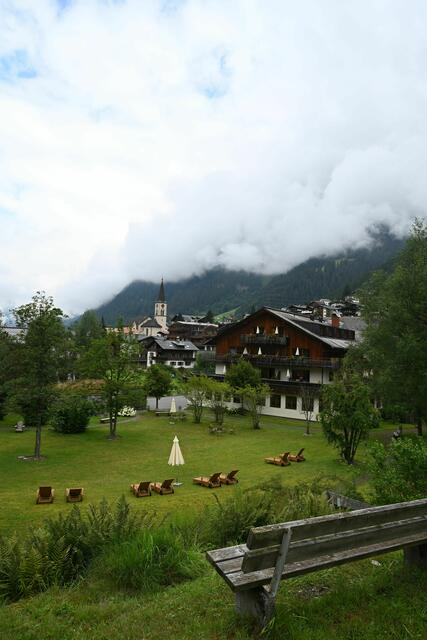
(74,495)
(164,487)
(280,461)
(298,457)
(141,489)
(229,478)
(212,482)
(45,495)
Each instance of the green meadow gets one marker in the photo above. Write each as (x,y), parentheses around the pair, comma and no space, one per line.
(360,601)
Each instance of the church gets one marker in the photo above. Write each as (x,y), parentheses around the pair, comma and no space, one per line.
(156,325)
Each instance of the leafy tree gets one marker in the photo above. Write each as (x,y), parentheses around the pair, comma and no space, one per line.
(395,345)
(254,400)
(113,358)
(217,401)
(87,328)
(158,382)
(398,472)
(71,413)
(5,352)
(39,358)
(243,374)
(347,413)
(196,391)
(210,317)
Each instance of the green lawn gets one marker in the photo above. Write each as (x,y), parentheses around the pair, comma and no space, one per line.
(360,601)
(106,468)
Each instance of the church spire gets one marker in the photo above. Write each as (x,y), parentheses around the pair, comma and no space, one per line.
(161,296)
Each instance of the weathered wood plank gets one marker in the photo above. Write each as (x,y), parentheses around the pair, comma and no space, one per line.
(228,553)
(301,550)
(335,523)
(240,581)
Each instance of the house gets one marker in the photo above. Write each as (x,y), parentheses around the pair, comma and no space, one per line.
(174,353)
(295,355)
(199,333)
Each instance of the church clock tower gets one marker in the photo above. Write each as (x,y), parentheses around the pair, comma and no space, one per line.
(161,308)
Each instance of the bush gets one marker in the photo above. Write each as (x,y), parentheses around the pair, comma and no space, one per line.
(60,551)
(71,414)
(399,471)
(150,561)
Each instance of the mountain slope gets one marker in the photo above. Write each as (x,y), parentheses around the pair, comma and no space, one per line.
(220,290)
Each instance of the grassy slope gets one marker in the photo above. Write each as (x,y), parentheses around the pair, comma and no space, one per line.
(358,601)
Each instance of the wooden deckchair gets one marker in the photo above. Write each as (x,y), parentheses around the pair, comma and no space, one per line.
(229,478)
(164,487)
(212,482)
(141,489)
(74,494)
(45,495)
(280,461)
(298,457)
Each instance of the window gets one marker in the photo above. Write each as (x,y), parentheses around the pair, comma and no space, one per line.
(307,404)
(236,400)
(172,363)
(276,400)
(300,375)
(291,402)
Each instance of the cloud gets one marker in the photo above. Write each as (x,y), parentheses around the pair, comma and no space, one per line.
(141,139)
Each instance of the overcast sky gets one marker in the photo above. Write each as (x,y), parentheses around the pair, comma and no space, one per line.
(145,138)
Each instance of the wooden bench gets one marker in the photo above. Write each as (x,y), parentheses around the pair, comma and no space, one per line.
(290,549)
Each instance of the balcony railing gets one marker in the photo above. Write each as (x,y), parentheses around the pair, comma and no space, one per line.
(294,362)
(279,385)
(258,338)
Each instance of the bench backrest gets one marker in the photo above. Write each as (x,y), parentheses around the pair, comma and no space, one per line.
(323,535)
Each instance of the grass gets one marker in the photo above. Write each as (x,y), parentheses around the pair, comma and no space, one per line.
(106,468)
(356,602)
(359,601)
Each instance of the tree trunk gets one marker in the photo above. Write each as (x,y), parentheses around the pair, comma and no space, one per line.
(37,447)
(419,424)
(157,403)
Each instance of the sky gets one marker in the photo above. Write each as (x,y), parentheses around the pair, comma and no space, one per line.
(150,138)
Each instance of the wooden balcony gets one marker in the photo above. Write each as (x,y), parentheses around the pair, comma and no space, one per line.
(294,362)
(260,338)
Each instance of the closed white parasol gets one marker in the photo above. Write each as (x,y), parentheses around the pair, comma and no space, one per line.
(176,458)
(173,406)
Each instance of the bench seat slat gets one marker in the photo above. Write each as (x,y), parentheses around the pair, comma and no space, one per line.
(270,535)
(228,553)
(240,581)
(301,550)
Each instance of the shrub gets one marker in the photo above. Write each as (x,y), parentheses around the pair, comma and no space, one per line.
(60,551)
(150,561)
(399,472)
(71,413)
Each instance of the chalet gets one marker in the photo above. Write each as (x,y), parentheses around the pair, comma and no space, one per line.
(173,353)
(199,333)
(294,354)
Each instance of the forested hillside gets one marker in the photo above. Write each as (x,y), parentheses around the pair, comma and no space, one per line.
(220,290)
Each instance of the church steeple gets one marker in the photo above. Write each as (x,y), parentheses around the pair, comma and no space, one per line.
(161,296)
(161,308)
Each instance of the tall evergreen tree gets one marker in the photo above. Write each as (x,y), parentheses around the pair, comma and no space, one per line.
(395,346)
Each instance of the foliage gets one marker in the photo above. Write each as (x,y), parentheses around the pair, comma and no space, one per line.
(158,382)
(59,551)
(150,561)
(228,522)
(70,413)
(242,374)
(219,393)
(347,415)
(196,390)
(254,401)
(40,358)
(394,350)
(398,472)
(114,359)
(87,328)
(5,361)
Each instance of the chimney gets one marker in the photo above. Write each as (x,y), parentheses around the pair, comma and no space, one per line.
(335,321)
